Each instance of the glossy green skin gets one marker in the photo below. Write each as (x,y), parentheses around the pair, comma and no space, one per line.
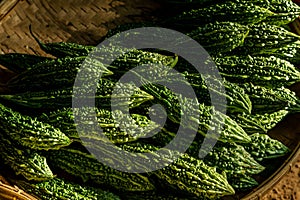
(268,100)
(87,167)
(243,182)
(242,13)
(220,37)
(26,162)
(270,71)
(30,132)
(290,52)
(60,98)
(259,123)
(127,130)
(230,132)
(187,173)
(263,147)
(104,54)
(201,3)
(286,11)
(237,100)
(54,74)
(19,62)
(265,37)
(57,189)
(233,159)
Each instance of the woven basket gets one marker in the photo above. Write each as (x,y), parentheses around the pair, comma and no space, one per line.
(12,193)
(86,22)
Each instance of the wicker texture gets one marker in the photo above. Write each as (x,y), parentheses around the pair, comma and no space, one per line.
(8,192)
(81,21)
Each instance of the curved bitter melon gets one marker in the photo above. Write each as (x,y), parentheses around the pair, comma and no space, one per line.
(30,132)
(26,162)
(268,100)
(56,73)
(209,118)
(187,173)
(59,98)
(264,147)
(87,167)
(270,71)
(259,123)
(265,37)
(58,188)
(220,37)
(127,129)
(247,12)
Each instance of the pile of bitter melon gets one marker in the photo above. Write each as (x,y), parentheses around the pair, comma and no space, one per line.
(257,56)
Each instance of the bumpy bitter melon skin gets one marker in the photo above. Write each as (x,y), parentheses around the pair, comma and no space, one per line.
(209,118)
(188,4)
(270,71)
(30,132)
(87,167)
(54,74)
(58,188)
(268,100)
(237,100)
(266,37)
(233,159)
(286,11)
(243,182)
(243,13)
(127,61)
(290,52)
(259,123)
(26,162)
(127,129)
(264,147)
(187,173)
(220,37)
(60,98)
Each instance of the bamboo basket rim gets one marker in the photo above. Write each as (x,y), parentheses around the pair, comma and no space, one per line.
(13,192)
(7,6)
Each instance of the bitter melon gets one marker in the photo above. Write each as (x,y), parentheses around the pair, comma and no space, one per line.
(187,173)
(270,71)
(236,98)
(55,74)
(220,37)
(209,118)
(30,132)
(127,129)
(243,13)
(243,182)
(126,61)
(232,159)
(26,162)
(87,167)
(265,37)
(264,147)
(271,99)
(57,188)
(259,123)
(290,52)
(59,98)
(286,11)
